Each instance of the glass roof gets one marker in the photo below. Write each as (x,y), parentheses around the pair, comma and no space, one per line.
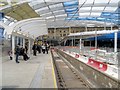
(73,10)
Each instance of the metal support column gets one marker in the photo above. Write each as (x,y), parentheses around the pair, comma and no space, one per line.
(65,42)
(80,45)
(55,33)
(23,43)
(72,41)
(105,25)
(115,42)
(1,66)
(13,47)
(69,30)
(115,47)
(17,40)
(111,25)
(96,43)
(95,38)
(86,28)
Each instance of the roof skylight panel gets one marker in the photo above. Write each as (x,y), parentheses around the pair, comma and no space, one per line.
(109,20)
(89,1)
(50,17)
(84,8)
(84,14)
(117,10)
(81,1)
(70,15)
(110,9)
(34,2)
(114,16)
(57,8)
(39,5)
(62,15)
(101,1)
(114,1)
(42,9)
(70,18)
(106,14)
(70,3)
(96,14)
(56,0)
(71,9)
(60,19)
(98,8)
(59,12)
(91,18)
(100,19)
(46,14)
(56,5)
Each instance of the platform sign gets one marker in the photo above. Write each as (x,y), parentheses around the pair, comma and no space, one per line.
(1,16)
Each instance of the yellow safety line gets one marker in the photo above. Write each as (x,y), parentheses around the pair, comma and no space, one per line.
(53,73)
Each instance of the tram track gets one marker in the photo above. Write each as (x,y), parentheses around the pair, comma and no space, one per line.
(66,76)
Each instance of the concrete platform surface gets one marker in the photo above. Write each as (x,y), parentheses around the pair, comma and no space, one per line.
(35,73)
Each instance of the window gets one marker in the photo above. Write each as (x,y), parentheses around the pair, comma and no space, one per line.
(64,34)
(52,31)
(61,35)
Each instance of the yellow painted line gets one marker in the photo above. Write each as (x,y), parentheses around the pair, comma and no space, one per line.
(53,72)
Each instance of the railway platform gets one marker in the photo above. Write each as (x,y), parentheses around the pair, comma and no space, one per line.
(37,72)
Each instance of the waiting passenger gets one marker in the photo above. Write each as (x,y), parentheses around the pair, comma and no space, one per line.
(39,48)
(34,48)
(46,47)
(17,52)
(25,56)
(43,48)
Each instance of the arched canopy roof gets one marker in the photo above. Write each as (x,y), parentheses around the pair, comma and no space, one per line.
(33,27)
(64,13)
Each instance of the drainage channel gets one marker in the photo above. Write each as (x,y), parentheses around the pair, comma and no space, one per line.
(66,77)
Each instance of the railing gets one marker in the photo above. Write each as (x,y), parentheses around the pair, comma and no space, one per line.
(97,73)
(101,54)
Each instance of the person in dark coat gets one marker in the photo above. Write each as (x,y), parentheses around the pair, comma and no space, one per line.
(46,47)
(25,56)
(34,48)
(17,52)
(26,49)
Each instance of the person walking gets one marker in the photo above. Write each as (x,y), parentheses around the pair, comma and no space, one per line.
(34,48)
(39,48)
(46,47)
(17,51)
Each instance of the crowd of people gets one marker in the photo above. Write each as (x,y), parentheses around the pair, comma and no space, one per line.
(44,47)
(23,51)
